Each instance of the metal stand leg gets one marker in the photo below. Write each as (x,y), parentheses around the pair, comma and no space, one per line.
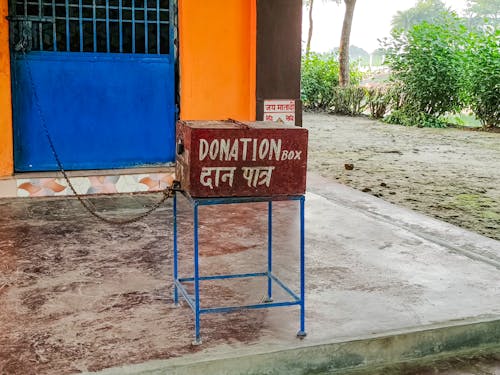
(302,332)
(196,277)
(176,291)
(269,252)
(193,300)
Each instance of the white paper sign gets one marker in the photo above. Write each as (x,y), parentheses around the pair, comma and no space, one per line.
(279,110)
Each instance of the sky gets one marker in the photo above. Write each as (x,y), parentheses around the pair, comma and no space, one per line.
(372,21)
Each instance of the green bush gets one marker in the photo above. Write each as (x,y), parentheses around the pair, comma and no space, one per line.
(379,99)
(398,98)
(350,100)
(408,117)
(320,75)
(482,83)
(428,67)
(355,75)
(386,98)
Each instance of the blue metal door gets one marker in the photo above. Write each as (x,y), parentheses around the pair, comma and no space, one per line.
(103,72)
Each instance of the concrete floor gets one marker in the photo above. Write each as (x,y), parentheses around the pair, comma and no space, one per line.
(384,285)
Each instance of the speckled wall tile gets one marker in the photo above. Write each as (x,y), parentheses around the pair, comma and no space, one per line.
(40,187)
(44,187)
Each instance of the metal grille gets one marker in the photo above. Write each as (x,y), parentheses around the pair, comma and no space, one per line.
(109,26)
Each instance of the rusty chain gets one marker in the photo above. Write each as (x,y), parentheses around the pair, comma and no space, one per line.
(167,193)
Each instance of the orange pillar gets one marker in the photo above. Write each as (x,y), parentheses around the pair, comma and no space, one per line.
(6,156)
(217,59)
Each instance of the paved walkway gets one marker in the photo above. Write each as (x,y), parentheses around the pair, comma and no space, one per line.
(384,285)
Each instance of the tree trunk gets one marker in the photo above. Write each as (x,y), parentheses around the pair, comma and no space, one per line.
(344,43)
(310,34)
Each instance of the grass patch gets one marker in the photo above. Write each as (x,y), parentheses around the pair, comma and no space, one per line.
(473,201)
(491,215)
(479,203)
(462,119)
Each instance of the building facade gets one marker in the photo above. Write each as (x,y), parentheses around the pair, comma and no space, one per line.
(107,79)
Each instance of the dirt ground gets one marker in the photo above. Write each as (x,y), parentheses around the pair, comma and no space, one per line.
(450,174)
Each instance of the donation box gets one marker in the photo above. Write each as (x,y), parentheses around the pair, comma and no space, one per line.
(241,159)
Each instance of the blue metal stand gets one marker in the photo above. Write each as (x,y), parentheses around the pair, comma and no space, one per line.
(194,300)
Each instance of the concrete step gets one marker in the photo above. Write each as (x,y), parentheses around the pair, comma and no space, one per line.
(412,347)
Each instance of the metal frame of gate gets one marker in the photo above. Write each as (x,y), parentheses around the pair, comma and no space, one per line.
(74,25)
(120,31)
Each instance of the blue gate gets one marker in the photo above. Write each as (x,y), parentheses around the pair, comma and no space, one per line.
(104,74)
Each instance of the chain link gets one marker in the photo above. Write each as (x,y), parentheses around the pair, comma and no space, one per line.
(167,193)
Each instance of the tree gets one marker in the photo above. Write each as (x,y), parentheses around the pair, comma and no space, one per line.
(320,74)
(482,75)
(431,11)
(378,56)
(344,39)
(310,6)
(479,11)
(484,8)
(344,42)
(359,55)
(356,54)
(427,63)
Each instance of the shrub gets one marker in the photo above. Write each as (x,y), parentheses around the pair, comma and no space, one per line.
(408,117)
(320,75)
(427,64)
(441,69)
(350,100)
(379,99)
(385,98)
(397,96)
(482,84)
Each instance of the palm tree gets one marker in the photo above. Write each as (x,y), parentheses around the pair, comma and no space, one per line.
(425,10)
(479,11)
(344,39)
(310,5)
(344,43)
(402,20)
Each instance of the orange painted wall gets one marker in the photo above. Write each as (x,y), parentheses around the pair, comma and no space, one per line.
(217,59)
(6,158)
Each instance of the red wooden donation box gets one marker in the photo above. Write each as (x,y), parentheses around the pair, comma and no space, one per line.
(237,159)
